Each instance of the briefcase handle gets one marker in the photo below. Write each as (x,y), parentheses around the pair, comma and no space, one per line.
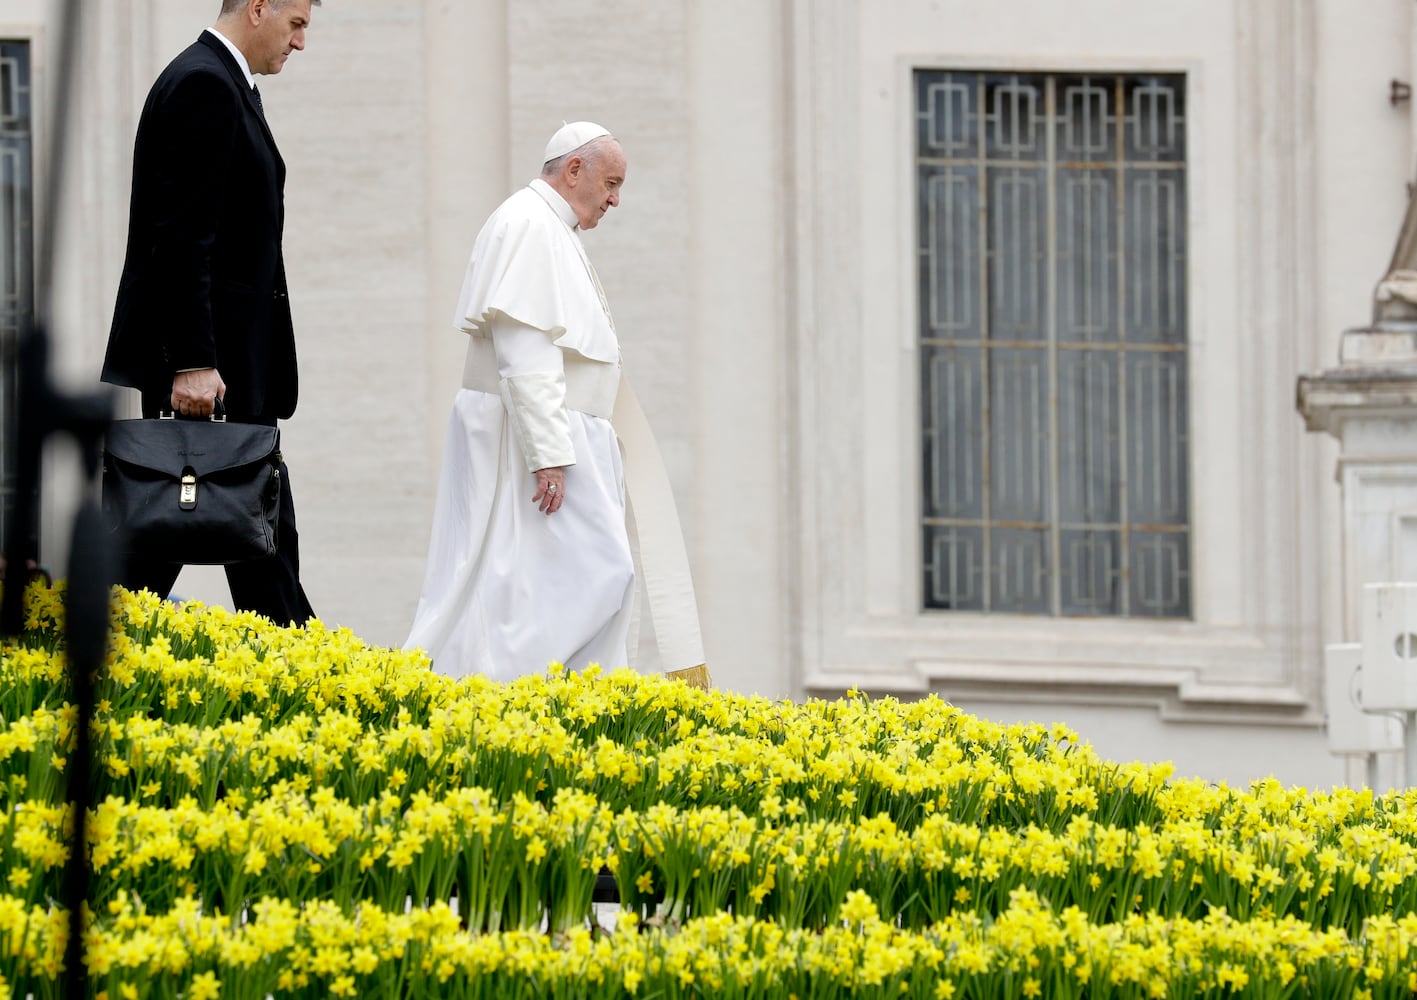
(218,412)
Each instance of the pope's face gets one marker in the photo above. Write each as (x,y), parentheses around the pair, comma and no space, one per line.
(280,31)
(598,184)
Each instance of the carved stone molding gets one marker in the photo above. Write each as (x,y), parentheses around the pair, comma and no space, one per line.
(1251,651)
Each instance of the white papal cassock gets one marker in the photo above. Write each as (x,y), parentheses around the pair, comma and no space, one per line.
(508,588)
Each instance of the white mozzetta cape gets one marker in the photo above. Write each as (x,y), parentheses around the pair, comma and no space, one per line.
(528,264)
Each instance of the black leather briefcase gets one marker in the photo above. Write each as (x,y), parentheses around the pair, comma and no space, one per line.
(192,491)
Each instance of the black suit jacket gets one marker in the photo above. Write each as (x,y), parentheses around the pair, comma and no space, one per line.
(203,284)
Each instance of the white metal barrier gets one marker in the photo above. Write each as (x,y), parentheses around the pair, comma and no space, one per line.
(1370,687)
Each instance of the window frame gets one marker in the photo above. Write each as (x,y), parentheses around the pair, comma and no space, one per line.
(853,391)
(1126,351)
(35,35)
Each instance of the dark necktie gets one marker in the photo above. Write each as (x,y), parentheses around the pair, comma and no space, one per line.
(256,93)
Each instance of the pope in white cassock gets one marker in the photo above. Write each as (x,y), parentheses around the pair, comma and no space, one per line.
(530,560)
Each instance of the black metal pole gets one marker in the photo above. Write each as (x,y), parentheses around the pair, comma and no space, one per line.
(40,411)
(43,412)
(91,572)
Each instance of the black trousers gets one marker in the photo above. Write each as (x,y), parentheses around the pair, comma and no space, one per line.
(269,587)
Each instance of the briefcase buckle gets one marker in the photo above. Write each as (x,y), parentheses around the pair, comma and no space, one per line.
(187,499)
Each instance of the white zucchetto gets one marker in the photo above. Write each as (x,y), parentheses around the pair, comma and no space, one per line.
(572,136)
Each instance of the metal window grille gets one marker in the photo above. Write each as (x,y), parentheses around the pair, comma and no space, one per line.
(16,245)
(1052,286)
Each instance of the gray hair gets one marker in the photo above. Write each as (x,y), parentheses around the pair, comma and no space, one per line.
(232,6)
(590,152)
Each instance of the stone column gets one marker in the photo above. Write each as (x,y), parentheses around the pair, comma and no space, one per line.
(1369,403)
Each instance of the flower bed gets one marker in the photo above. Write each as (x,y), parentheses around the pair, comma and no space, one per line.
(294,813)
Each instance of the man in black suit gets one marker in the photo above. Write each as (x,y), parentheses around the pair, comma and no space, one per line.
(202,311)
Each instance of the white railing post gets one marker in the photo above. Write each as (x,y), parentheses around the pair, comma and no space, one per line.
(1352,731)
(1389,662)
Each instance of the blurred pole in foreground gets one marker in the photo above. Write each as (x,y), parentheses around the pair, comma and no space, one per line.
(43,411)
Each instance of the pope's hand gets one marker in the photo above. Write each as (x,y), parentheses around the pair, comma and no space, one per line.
(550,489)
(193,392)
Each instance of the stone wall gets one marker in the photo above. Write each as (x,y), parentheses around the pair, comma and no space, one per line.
(760,269)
